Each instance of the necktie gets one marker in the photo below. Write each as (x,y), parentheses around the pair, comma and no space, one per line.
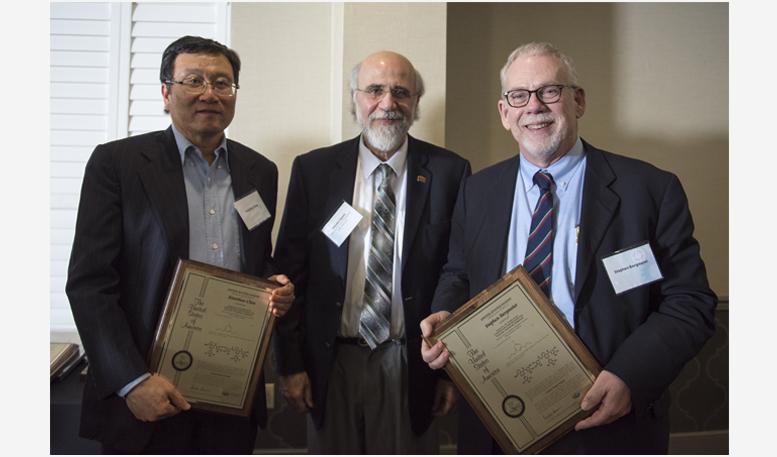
(539,249)
(375,319)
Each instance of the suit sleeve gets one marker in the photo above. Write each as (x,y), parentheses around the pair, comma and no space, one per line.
(93,282)
(270,268)
(291,258)
(453,287)
(653,355)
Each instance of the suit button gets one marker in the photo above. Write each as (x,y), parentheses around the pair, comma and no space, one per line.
(338,304)
(328,345)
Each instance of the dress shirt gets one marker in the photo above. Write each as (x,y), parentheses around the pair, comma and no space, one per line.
(214,235)
(359,241)
(568,175)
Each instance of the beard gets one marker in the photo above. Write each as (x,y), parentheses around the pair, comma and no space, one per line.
(385,138)
(545,149)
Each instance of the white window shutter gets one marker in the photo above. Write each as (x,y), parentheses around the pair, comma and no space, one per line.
(80,118)
(104,85)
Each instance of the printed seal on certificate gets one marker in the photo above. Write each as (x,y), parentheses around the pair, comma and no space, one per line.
(513,406)
(181,360)
(518,363)
(213,336)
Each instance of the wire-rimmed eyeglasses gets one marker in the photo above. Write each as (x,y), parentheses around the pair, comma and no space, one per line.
(197,85)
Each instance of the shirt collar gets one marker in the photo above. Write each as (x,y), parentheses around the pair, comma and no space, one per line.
(562,170)
(184,144)
(370,162)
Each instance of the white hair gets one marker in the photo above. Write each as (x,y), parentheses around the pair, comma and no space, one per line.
(538,49)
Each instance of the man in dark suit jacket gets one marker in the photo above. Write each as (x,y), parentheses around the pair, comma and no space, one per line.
(642,337)
(363,400)
(144,204)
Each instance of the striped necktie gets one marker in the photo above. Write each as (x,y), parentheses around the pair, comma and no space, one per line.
(539,249)
(375,319)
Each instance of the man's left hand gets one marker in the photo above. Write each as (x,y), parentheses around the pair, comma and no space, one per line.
(282,297)
(611,395)
(444,398)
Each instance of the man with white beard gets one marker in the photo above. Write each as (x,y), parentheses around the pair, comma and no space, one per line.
(364,236)
(561,207)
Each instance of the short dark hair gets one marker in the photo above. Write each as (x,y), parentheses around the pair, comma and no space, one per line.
(196,45)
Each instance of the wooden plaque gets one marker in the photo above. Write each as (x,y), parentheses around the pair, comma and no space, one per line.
(213,336)
(518,363)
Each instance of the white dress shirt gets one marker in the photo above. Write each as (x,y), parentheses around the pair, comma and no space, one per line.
(359,241)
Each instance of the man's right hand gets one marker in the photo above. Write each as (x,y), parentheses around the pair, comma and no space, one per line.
(155,398)
(436,356)
(296,390)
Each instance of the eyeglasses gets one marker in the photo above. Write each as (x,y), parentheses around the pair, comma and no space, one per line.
(518,98)
(196,85)
(377,92)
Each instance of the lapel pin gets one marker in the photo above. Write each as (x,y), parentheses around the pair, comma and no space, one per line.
(421,179)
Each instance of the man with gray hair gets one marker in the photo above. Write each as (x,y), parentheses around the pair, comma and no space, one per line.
(364,236)
(560,208)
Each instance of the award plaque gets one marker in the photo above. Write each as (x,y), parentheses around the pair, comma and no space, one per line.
(213,336)
(64,357)
(518,363)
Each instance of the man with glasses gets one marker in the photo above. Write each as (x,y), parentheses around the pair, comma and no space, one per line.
(364,236)
(147,201)
(562,208)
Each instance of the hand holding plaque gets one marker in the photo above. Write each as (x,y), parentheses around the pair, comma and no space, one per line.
(213,336)
(517,362)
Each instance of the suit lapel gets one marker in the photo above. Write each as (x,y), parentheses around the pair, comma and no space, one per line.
(496,219)
(341,181)
(419,180)
(599,206)
(242,174)
(162,177)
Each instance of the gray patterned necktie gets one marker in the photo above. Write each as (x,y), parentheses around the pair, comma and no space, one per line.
(375,319)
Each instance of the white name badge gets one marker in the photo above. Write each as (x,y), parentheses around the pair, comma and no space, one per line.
(342,223)
(632,268)
(252,210)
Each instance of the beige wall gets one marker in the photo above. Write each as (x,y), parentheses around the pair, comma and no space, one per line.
(656,79)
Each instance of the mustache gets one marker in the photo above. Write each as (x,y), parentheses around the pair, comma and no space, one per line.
(388,115)
(537,118)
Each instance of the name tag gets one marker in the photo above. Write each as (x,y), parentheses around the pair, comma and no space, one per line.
(632,268)
(252,210)
(342,223)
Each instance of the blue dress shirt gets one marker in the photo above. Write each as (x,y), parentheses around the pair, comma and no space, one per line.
(568,175)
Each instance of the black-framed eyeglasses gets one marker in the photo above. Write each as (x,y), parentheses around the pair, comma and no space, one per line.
(518,98)
(196,85)
(377,92)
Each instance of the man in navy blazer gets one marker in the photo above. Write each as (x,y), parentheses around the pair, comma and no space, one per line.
(604,203)
(364,400)
(147,201)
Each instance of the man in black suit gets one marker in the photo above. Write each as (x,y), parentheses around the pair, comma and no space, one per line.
(147,201)
(602,203)
(364,391)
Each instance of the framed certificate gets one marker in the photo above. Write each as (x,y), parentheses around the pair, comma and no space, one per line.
(213,336)
(518,363)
